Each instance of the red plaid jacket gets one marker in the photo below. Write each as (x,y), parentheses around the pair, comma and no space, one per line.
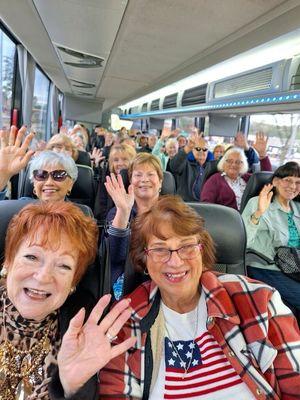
(256,331)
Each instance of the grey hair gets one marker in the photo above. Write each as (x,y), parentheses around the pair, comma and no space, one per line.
(52,159)
(227,154)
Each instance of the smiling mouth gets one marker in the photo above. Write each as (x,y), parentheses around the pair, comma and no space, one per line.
(36,294)
(178,277)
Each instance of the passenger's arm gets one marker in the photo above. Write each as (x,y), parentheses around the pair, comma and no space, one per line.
(209,192)
(123,200)
(157,148)
(13,154)
(261,146)
(87,348)
(284,335)
(253,211)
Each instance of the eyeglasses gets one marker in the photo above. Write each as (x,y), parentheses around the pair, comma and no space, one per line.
(289,182)
(163,255)
(59,175)
(61,147)
(204,149)
(235,162)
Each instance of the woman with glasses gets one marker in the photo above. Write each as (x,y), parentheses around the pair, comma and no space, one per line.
(61,143)
(200,334)
(272,219)
(227,186)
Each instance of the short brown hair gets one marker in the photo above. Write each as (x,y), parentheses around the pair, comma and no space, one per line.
(184,221)
(54,218)
(146,158)
(129,151)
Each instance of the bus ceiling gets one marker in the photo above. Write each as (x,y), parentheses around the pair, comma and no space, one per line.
(106,53)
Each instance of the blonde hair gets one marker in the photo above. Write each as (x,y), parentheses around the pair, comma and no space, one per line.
(123,148)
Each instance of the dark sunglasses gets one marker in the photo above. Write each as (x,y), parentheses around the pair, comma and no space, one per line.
(201,149)
(59,175)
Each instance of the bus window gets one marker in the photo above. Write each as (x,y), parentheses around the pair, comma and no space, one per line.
(284,135)
(7,57)
(40,104)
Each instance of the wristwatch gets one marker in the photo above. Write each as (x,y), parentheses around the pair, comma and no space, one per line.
(255,219)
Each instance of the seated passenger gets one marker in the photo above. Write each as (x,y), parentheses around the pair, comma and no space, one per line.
(218,151)
(48,249)
(120,157)
(63,143)
(52,175)
(272,219)
(171,149)
(13,155)
(145,175)
(200,334)
(227,186)
(188,165)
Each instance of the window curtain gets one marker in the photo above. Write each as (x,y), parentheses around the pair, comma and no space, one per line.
(27,74)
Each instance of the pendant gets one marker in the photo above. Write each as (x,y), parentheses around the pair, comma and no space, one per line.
(24,390)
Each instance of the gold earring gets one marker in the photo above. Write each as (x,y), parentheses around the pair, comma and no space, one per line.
(146,271)
(73,289)
(68,192)
(3,272)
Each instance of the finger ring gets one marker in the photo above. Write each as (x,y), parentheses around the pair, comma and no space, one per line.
(110,337)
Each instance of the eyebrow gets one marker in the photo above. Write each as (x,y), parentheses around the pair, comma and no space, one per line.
(159,243)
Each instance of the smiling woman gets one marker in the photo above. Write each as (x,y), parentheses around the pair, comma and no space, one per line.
(196,327)
(53,175)
(48,248)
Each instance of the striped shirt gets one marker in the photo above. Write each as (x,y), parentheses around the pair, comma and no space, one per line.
(209,374)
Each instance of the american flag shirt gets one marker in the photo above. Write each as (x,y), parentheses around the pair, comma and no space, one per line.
(209,375)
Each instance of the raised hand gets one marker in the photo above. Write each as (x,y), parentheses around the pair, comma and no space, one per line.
(166,133)
(240,140)
(13,154)
(261,144)
(123,200)
(86,348)
(97,156)
(264,199)
(191,143)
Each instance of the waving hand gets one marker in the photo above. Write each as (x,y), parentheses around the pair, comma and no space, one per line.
(86,348)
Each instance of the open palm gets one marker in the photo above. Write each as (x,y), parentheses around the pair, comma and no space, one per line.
(13,154)
(86,348)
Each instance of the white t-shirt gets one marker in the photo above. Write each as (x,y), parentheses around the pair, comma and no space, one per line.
(210,376)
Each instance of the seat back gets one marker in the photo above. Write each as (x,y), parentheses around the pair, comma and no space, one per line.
(168,183)
(83,191)
(254,186)
(227,229)
(211,168)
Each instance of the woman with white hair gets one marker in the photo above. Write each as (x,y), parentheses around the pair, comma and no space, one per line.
(167,143)
(52,175)
(227,186)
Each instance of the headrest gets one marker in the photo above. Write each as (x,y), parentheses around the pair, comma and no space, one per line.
(8,208)
(254,185)
(227,229)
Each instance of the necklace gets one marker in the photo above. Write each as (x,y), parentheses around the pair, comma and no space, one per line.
(183,363)
(19,368)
